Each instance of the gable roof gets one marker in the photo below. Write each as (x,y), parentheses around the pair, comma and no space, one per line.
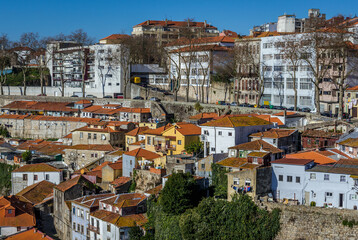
(186,129)
(92,201)
(38,167)
(232,162)
(274,133)
(120,181)
(31,234)
(312,155)
(116,36)
(137,131)
(142,153)
(236,121)
(157,131)
(257,145)
(37,192)
(64,186)
(204,116)
(24,214)
(293,161)
(319,133)
(125,200)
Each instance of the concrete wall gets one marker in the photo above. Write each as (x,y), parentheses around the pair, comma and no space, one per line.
(19,184)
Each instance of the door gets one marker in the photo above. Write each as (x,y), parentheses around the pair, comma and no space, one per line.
(354,112)
(307,198)
(341,200)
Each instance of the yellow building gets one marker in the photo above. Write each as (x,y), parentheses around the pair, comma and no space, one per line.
(134,136)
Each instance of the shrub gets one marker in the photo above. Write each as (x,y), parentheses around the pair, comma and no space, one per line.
(313,204)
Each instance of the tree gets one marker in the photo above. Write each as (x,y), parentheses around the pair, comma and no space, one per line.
(195,147)
(4,132)
(219,180)
(135,233)
(179,194)
(26,156)
(238,219)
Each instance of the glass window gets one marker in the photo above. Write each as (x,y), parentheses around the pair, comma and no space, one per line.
(289,178)
(326,177)
(229,134)
(298,179)
(312,176)
(81,134)
(343,178)
(329,194)
(280,178)
(236,181)
(179,142)
(220,133)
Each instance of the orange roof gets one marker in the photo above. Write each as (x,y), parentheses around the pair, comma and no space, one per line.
(89,129)
(293,161)
(257,145)
(84,101)
(320,133)
(355,88)
(120,181)
(158,131)
(37,192)
(274,133)
(116,165)
(131,220)
(125,200)
(283,113)
(236,121)
(99,167)
(204,115)
(92,201)
(40,106)
(24,214)
(68,136)
(116,36)
(137,131)
(106,216)
(142,153)
(31,234)
(71,182)
(38,167)
(271,119)
(138,143)
(232,162)
(313,155)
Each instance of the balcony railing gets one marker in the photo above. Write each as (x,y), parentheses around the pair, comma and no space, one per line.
(93,229)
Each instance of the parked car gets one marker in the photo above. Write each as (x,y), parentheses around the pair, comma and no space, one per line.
(108,96)
(221,103)
(155,99)
(327,114)
(138,98)
(234,104)
(74,96)
(305,109)
(155,89)
(91,96)
(265,106)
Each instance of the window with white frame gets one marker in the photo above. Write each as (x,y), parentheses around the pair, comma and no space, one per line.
(305,83)
(236,181)
(312,176)
(279,68)
(267,83)
(329,194)
(220,133)
(326,177)
(267,56)
(305,100)
(267,45)
(342,178)
(290,99)
(353,196)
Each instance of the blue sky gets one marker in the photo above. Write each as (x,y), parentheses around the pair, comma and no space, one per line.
(102,18)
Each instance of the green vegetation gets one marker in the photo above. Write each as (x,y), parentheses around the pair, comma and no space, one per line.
(16,78)
(194,147)
(26,156)
(350,223)
(313,204)
(5,178)
(219,180)
(135,233)
(198,107)
(4,132)
(133,185)
(180,193)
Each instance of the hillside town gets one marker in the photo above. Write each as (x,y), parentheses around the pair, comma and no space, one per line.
(181,131)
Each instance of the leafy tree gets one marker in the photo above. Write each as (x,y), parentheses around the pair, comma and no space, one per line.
(5,178)
(219,179)
(219,219)
(135,233)
(180,193)
(198,107)
(133,185)
(194,147)
(26,156)
(4,132)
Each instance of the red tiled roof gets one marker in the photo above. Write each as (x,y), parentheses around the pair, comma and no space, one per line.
(131,220)
(84,101)
(204,116)
(37,192)
(319,133)
(232,162)
(71,182)
(271,119)
(142,153)
(288,113)
(24,214)
(158,131)
(186,129)
(137,131)
(257,145)
(92,201)
(40,106)
(355,88)
(31,234)
(89,129)
(293,161)
(125,200)
(236,121)
(274,133)
(120,181)
(116,36)
(312,155)
(38,167)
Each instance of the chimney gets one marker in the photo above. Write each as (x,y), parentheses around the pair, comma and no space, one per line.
(205,24)
(148,22)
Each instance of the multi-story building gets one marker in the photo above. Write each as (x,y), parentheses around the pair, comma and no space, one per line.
(166,31)
(33,173)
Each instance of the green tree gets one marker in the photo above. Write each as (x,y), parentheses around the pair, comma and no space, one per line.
(4,132)
(135,233)
(5,178)
(194,147)
(198,107)
(26,156)
(239,219)
(180,193)
(219,179)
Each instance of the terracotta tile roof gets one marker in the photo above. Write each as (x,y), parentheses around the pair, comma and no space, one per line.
(155,190)
(38,167)
(116,165)
(158,131)
(14,116)
(31,234)
(237,121)
(274,133)
(99,167)
(293,161)
(64,119)
(120,181)
(319,134)
(138,143)
(355,88)
(71,182)
(125,200)
(186,129)
(117,123)
(142,153)
(288,113)
(89,129)
(40,106)
(204,116)
(169,23)
(137,131)
(51,149)
(339,153)
(84,101)
(257,145)
(258,154)
(37,192)
(92,201)
(93,147)
(106,216)
(116,36)
(232,162)
(68,136)
(271,119)
(350,142)
(131,220)
(24,214)
(312,155)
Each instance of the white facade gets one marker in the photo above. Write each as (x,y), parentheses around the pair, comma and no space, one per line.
(21,180)
(278,79)
(106,230)
(80,221)
(288,180)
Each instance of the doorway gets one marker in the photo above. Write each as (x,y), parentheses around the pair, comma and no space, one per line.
(341,200)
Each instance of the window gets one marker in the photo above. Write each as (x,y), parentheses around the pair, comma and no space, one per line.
(236,181)
(313,176)
(343,178)
(81,135)
(229,134)
(329,194)
(220,133)
(103,136)
(268,83)
(206,132)
(179,142)
(89,135)
(353,197)
(149,141)
(267,68)
(24,177)
(35,177)
(280,178)
(326,177)
(355,182)
(279,68)
(9,211)
(202,165)
(278,56)
(108,227)
(267,45)
(213,149)
(289,178)
(18,229)
(290,99)
(82,229)
(305,83)
(305,100)
(94,135)
(87,215)
(73,211)
(74,226)
(298,179)
(47,177)
(82,215)
(274,141)
(267,56)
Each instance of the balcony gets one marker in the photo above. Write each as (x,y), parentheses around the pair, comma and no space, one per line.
(93,229)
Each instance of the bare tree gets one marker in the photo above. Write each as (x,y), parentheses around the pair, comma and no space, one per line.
(5,60)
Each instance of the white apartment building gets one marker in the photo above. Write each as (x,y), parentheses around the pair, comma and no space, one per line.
(100,63)
(278,77)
